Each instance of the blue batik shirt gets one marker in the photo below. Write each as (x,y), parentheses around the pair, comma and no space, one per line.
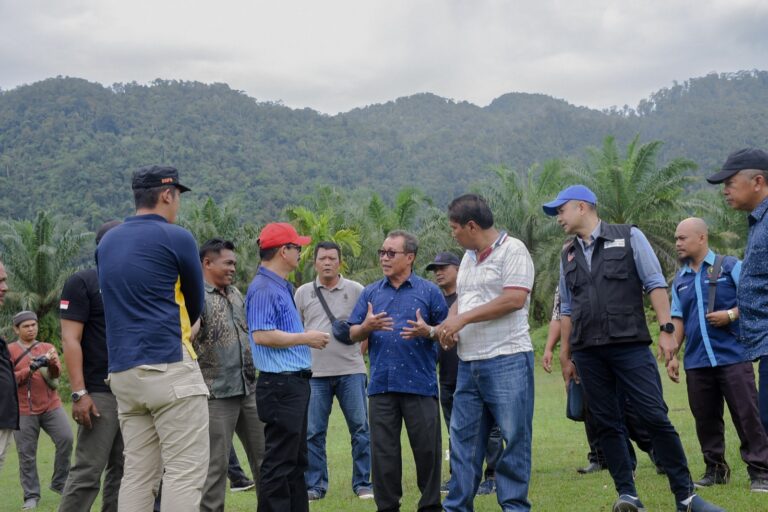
(706,345)
(399,365)
(753,286)
(269,306)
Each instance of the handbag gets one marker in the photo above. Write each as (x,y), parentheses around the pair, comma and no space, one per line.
(574,407)
(340,328)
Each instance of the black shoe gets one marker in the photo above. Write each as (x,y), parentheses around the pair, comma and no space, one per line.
(627,503)
(758,485)
(719,475)
(593,467)
(245,485)
(487,487)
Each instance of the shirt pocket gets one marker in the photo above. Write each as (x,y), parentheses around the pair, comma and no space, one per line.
(614,264)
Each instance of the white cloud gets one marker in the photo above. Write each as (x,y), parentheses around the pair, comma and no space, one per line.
(339,54)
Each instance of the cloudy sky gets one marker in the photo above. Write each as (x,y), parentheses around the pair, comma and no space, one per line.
(335,55)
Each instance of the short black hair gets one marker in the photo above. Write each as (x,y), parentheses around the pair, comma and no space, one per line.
(215,245)
(148,197)
(268,254)
(471,207)
(327,245)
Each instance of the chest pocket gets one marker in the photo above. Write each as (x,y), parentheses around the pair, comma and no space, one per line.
(573,279)
(615,264)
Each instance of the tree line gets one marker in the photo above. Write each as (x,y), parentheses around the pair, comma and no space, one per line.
(631,185)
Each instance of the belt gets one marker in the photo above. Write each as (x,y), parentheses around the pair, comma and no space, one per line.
(304,374)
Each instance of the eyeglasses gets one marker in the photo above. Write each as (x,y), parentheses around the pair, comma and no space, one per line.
(389,253)
(293,246)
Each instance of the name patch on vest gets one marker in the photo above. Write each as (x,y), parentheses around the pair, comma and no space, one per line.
(619,242)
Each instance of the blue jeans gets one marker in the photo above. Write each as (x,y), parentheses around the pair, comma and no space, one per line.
(350,390)
(496,390)
(763,391)
(607,372)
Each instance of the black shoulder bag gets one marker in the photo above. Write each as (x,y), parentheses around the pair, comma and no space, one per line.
(340,328)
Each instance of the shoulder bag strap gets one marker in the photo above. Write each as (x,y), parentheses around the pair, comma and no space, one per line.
(18,359)
(320,297)
(713,282)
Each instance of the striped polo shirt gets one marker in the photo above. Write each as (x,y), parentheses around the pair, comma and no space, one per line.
(270,307)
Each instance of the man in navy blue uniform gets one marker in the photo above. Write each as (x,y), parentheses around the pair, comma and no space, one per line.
(152,288)
(716,366)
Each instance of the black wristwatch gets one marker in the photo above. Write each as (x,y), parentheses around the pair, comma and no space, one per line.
(668,327)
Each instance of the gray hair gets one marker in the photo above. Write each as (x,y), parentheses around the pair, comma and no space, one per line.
(411,242)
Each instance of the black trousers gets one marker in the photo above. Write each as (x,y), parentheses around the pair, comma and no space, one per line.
(734,383)
(421,415)
(283,402)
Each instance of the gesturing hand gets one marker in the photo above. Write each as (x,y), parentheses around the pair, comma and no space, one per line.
(317,339)
(378,321)
(418,328)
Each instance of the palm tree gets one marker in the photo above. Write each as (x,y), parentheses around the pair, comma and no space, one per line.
(634,189)
(40,255)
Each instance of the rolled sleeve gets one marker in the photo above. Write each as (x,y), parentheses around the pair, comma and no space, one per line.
(677,308)
(646,262)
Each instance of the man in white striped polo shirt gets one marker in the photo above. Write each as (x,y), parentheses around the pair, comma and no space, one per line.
(495,380)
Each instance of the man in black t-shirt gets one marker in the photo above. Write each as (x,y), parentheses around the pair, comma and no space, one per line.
(94,408)
(446,269)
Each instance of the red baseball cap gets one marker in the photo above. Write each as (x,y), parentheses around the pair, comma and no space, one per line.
(276,234)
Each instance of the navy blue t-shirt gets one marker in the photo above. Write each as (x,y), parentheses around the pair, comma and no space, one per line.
(152,286)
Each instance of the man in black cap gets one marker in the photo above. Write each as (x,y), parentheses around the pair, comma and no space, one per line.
(745,186)
(152,288)
(94,407)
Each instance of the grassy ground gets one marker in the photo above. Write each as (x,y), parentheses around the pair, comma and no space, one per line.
(559,447)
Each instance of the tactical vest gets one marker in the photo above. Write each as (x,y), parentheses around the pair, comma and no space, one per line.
(606,301)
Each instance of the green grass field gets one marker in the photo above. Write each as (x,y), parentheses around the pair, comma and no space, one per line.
(559,448)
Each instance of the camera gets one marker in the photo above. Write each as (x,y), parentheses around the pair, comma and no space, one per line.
(38,362)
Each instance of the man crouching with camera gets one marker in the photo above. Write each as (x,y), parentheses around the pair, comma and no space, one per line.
(36,367)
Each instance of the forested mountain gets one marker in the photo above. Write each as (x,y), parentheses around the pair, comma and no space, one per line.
(69,145)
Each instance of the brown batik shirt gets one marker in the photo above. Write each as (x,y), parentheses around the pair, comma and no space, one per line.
(223,346)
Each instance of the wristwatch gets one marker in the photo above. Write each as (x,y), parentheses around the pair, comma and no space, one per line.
(731,315)
(668,327)
(77,395)
(431,331)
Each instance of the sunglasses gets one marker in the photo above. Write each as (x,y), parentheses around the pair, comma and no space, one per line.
(293,246)
(389,253)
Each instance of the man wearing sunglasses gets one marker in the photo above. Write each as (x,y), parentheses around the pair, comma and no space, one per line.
(398,314)
(281,354)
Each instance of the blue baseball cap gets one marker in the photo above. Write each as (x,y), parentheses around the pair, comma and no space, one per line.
(572,193)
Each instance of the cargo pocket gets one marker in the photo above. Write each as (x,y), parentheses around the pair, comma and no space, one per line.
(186,390)
(621,321)
(614,265)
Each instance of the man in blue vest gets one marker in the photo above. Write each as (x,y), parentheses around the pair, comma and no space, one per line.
(715,362)
(603,274)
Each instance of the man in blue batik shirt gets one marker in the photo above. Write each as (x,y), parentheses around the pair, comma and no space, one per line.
(398,315)
(281,354)
(715,365)
(745,186)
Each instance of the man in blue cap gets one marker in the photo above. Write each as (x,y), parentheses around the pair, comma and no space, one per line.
(603,274)
(745,186)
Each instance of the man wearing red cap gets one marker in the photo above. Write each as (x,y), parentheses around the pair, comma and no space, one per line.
(282,356)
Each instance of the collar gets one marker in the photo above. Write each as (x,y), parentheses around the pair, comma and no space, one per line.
(209,288)
(264,271)
(338,286)
(147,216)
(479,257)
(709,259)
(408,281)
(758,213)
(597,232)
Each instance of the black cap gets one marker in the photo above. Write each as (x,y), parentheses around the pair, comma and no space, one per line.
(747,158)
(157,176)
(444,259)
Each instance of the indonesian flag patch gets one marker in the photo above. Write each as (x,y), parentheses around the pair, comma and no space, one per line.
(64,304)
